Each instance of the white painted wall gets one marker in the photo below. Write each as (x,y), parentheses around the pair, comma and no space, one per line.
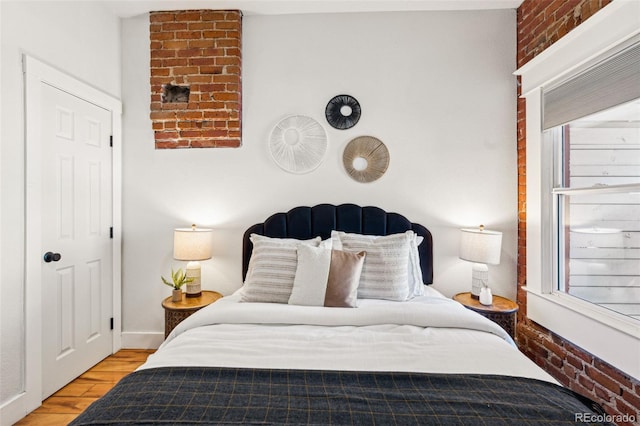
(435,87)
(82,39)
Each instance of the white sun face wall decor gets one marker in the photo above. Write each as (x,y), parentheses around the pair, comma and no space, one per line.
(298,144)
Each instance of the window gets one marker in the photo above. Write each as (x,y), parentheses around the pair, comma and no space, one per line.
(596,208)
(564,87)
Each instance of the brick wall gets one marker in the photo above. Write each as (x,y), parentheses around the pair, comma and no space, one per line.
(540,24)
(199,50)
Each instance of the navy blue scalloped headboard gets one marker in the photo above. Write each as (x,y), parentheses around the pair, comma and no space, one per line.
(320,220)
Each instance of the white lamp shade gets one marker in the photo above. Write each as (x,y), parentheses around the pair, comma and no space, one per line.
(480,246)
(192,243)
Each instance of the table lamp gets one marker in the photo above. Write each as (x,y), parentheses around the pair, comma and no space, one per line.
(192,244)
(481,247)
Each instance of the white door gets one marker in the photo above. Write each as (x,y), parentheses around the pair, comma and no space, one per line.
(76,224)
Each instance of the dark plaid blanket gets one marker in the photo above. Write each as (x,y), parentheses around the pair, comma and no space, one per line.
(213,396)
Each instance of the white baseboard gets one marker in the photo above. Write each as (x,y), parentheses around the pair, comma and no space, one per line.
(141,340)
(13,410)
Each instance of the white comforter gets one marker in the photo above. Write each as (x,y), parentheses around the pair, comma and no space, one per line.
(427,334)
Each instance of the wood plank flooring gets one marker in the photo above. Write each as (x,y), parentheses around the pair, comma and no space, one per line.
(66,404)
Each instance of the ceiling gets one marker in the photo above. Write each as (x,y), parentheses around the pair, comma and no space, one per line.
(126,8)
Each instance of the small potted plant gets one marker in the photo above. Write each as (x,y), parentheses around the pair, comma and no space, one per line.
(179,279)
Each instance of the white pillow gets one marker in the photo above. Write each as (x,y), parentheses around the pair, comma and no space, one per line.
(416,286)
(385,274)
(310,283)
(272,268)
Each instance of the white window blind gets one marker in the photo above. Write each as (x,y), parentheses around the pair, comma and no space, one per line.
(613,81)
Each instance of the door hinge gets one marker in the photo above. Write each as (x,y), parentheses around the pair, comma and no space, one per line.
(111,232)
(111,141)
(111,323)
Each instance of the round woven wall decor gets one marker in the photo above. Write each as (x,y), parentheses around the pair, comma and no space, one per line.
(298,144)
(343,112)
(365,158)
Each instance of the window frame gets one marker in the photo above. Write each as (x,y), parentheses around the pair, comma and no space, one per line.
(555,138)
(593,328)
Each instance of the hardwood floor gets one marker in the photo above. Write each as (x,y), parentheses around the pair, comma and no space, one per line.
(65,405)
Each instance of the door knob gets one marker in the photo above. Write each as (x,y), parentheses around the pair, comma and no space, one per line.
(51,257)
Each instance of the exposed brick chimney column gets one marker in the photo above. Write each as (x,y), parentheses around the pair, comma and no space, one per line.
(196,87)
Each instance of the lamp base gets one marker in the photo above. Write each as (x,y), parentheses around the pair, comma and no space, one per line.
(479,279)
(193,272)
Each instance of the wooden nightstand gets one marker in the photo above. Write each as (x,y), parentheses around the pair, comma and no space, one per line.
(502,311)
(175,312)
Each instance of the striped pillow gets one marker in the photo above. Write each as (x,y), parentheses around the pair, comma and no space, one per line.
(385,273)
(272,268)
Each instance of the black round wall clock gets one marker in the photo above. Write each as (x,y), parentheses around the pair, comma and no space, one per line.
(343,112)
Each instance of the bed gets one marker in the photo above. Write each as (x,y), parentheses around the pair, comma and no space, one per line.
(337,323)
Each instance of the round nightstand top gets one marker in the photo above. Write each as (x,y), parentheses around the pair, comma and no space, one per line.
(189,303)
(500,304)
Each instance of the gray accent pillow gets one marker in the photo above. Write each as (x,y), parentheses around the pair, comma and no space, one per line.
(344,278)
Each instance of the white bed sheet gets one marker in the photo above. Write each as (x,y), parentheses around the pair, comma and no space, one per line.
(429,333)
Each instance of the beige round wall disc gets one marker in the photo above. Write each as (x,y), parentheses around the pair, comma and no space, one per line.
(365,158)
